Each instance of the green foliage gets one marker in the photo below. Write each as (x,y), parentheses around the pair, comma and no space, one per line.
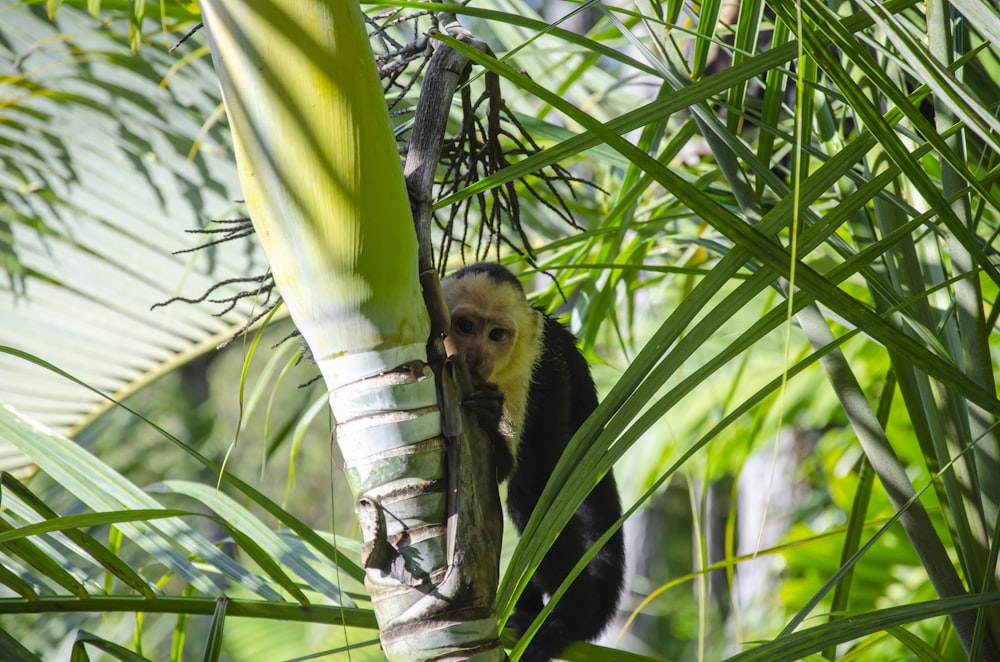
(795,238)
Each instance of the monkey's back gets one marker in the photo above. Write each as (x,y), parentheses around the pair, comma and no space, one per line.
(560,398)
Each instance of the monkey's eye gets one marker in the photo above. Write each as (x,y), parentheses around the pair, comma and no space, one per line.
(499,335)
(465,326)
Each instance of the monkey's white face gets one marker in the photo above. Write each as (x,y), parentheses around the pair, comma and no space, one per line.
(485,337)
(496,330)
(500,335)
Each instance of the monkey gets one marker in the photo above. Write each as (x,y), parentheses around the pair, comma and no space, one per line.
(533,390)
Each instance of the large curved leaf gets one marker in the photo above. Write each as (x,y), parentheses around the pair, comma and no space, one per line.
(106,156)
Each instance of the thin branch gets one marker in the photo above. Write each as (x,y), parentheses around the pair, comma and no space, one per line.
(188,35)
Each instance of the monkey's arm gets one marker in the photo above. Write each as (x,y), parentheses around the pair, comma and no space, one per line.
(485,402)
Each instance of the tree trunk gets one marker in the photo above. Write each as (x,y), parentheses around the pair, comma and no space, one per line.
(323,184)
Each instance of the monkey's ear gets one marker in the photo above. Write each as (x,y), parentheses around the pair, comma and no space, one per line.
(537,322)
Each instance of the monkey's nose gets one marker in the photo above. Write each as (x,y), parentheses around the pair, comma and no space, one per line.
(476,366)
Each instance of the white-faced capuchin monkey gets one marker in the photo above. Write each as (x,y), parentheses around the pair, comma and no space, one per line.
(533,390)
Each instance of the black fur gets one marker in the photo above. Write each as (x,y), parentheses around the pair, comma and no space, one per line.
(561,396)
(496,272)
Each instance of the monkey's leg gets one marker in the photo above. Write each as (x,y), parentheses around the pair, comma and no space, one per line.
(580,613)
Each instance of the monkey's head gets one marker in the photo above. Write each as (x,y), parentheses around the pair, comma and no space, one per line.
(492,325)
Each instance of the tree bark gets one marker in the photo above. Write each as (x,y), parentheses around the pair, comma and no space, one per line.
(323,185)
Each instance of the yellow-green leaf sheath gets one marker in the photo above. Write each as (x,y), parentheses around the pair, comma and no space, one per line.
(321,177)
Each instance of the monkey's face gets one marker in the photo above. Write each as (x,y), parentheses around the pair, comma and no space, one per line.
(484,336)
(497,331)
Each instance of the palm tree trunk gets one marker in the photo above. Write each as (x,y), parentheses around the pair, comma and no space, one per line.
(323,184)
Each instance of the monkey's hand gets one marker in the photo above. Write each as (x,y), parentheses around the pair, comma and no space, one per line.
(485,402)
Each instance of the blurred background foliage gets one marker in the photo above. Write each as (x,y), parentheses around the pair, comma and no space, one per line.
(110,155)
